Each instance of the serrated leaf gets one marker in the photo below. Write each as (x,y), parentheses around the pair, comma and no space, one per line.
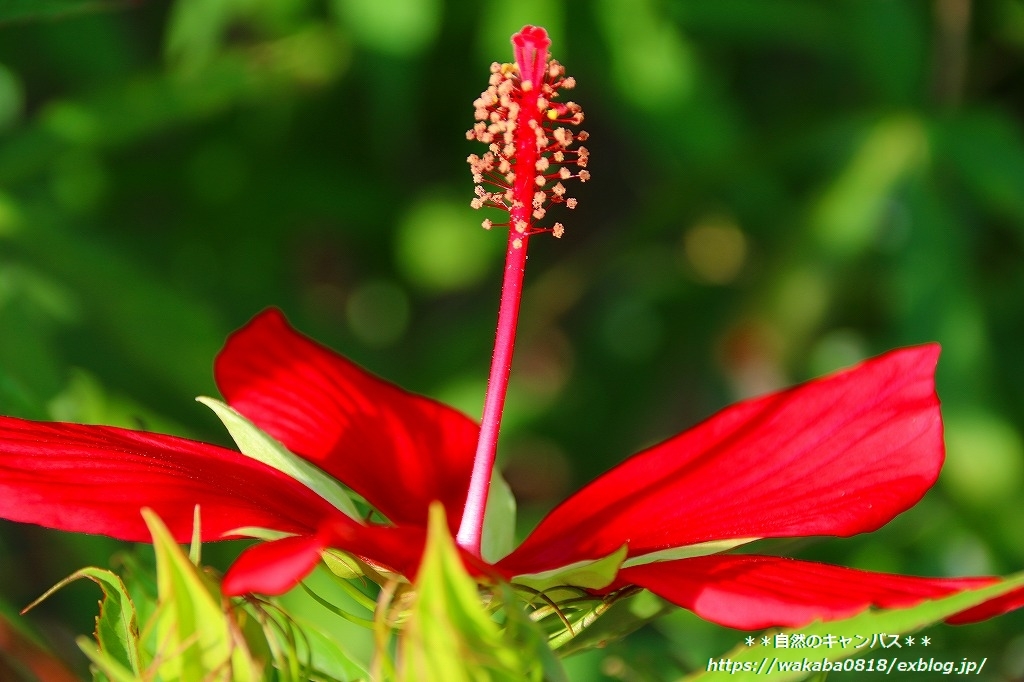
(891,621)
(117,632)
(499,532)
(254,443)
(197,639)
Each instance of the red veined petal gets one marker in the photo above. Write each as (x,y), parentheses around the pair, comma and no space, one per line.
(835,456)
(751,592)
(273,567)
(95,479)
(398,450)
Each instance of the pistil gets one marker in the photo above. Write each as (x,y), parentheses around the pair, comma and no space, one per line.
(521,174)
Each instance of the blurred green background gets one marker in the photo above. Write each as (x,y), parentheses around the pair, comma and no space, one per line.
(780,188)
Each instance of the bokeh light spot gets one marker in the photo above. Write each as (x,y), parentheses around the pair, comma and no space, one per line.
(984,459)
(439,249)
(715,250)
(12,98)
(378,312)
(398,27)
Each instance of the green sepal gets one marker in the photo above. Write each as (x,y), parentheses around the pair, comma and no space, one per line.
(591,575)
(254,443)
(893,621)
(499,532)
(117,631)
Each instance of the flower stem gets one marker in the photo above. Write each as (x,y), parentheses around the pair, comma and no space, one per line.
(471,528)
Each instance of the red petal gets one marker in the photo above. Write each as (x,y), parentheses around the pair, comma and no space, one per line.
(398,450)
(753,592)
(95,479)
(835,456)
(273,567)
(1010,601)
(276,567)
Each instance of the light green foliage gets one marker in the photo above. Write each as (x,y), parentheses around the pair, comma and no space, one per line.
(258,445)
(449,635)
(197,639)
(329,656)
(116,647)
(190,633)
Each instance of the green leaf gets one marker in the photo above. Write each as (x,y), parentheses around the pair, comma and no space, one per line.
(592,575)
(624,617)
(258,445)
(890,621)
(499,533)
(328,654)
(687,552)
(197,639)
(449,635)
(107,667)
(530,639)
(117,631)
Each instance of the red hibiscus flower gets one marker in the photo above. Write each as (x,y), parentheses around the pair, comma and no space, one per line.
(836,456)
